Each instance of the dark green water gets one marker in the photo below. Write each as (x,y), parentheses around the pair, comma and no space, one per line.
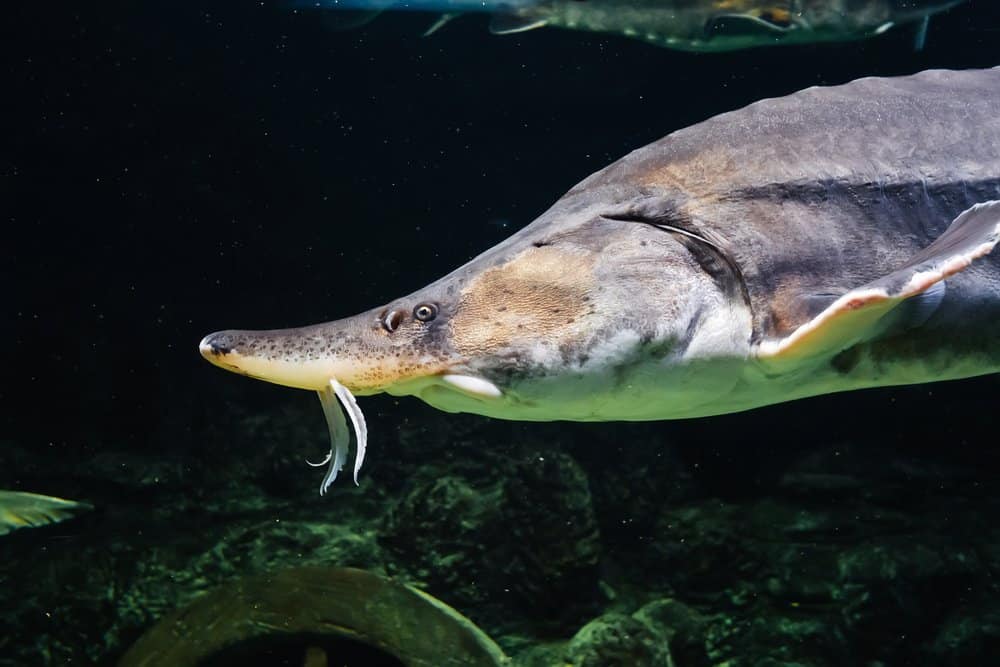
(171,169)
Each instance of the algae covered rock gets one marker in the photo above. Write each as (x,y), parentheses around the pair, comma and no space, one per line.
(967,635)
(700,548)
(618,640)
(683,626)
(554,535)
(524,535)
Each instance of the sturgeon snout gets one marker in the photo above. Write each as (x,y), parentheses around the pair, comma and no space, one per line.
(373,352)
(358,351)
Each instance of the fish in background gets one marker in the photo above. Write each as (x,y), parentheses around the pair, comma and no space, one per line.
(689,25)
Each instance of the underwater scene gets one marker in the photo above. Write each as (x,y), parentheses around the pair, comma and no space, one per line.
(537,333)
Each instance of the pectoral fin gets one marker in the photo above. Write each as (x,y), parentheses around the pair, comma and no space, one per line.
(441,22)
(26,510)
(508,24)
(774,21)
(858,315)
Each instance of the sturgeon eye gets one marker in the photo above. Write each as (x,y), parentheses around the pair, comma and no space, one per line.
(425,312)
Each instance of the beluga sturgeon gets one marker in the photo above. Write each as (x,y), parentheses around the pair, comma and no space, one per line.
(821,242)
(689,25)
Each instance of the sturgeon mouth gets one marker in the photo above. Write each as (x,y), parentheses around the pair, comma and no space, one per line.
(335,398)
(226,350)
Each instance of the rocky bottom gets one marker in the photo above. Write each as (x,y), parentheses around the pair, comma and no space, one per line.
(583,545)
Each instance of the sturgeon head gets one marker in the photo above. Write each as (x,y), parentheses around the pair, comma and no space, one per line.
(604,308)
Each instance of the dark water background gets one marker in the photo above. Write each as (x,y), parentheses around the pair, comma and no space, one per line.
(170,169)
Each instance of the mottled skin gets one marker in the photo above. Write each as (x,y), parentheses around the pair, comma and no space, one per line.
(593,312)
(701,25)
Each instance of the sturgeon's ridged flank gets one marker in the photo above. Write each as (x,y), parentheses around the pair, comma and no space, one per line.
(740,262)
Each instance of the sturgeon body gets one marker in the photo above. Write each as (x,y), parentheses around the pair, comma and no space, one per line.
(831,240)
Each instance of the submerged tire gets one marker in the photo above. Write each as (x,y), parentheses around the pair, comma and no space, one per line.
(307,608)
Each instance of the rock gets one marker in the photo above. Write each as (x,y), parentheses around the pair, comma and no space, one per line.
(617,640)
(526,535)
(893,588)
(967,636)
(444,529)
(683,627)
(634,473)
(554,534)
(703,548)
(794,637)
